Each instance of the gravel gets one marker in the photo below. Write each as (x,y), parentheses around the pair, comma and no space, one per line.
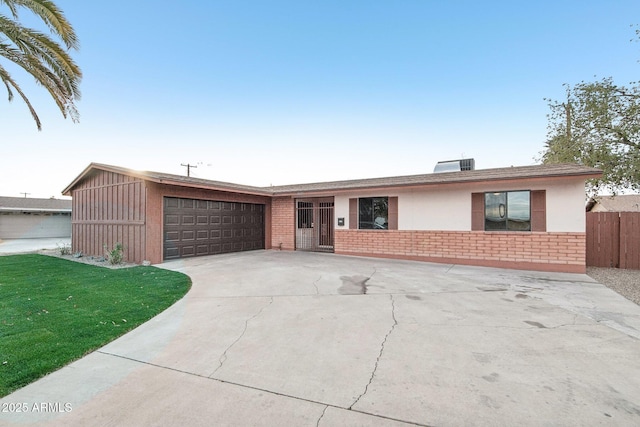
(624,282)
(98,261)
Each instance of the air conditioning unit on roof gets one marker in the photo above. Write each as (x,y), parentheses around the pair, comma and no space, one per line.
(455,165)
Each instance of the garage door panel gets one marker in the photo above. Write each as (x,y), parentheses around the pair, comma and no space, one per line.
(171,252)
(170,202)
(204,227)
(188,220)
(172,220)
(188,250)
(172,236)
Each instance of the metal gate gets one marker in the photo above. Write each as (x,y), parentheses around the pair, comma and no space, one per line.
(314,224)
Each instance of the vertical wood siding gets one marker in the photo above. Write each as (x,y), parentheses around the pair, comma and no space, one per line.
(613,239)
(630,240)
(109,208)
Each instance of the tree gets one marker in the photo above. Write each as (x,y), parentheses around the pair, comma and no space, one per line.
(598,125)
(40,55)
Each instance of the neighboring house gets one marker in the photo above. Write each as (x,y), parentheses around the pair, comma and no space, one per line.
(529,217)
(620,203)
(30,218)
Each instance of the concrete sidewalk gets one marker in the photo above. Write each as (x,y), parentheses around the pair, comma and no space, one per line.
(293,338)
(20,246)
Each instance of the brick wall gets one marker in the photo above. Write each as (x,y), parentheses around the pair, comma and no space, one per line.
(282,223)
(562,252)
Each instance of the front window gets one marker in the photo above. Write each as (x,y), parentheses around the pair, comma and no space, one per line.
(373,213)
(507,211)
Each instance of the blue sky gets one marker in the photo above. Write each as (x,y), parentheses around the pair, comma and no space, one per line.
(283,92)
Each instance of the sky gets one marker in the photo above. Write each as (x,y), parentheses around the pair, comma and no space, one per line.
(287,92)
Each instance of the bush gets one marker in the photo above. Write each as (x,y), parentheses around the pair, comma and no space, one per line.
(65,248)
(115,256)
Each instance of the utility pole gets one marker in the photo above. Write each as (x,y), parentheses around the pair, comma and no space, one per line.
(25,194)
(567,108)
(188,166)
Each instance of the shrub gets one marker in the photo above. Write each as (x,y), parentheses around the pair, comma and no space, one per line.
(115,256)
(65,248)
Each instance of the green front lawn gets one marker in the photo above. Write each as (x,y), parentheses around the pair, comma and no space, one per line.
(53,311)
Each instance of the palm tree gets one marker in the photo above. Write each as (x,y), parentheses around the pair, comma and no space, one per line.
(40,55)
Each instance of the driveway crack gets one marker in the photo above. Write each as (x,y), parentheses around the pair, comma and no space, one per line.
(223,357)
(322,415)
(384,341)
(315,285)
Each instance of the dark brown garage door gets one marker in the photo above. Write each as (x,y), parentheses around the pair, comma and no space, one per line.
(204,227)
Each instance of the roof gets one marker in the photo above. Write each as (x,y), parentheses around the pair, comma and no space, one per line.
(165,178)
(620,203)
(478,175)
(23,204)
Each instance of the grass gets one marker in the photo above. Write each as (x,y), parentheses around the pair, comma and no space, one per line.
(54,311)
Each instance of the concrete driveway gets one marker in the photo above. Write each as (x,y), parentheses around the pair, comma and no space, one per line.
(19,246)
(302,339)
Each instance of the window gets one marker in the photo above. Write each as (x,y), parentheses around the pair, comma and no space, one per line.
(373,213)
(507,210)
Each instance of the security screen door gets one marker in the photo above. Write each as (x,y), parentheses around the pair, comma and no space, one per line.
(314,224)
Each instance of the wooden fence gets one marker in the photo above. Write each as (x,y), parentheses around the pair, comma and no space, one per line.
(613,239)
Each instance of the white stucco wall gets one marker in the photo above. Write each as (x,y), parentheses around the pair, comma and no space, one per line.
(449,207)
(566,207)
(341,210)
(435,210)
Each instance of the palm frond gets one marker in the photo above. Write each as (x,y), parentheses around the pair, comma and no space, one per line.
(51,15)
(9,83)
(41,46)
(12,7)
(40,55)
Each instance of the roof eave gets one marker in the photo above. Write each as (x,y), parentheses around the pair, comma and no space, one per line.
(325,191)
(249,191)
(85,172)
(257,191)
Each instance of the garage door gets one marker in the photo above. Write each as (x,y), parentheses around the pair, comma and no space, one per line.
(204,227)
(34,225)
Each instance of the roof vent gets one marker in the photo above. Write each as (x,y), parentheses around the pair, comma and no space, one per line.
(455,165)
